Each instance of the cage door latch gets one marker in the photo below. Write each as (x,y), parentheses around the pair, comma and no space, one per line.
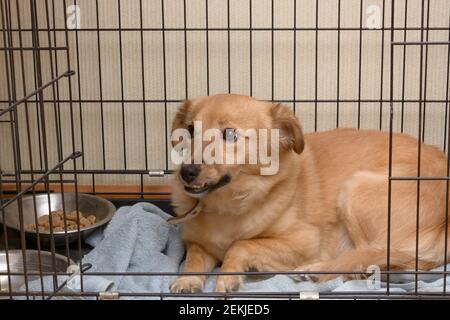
(309,295)
(156,173)
(108,296)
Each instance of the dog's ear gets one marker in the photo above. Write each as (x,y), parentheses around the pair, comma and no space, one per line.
(182,117)
(291,134)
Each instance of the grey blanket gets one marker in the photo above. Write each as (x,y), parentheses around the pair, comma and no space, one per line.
(138,239)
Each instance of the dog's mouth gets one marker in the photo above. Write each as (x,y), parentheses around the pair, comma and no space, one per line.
(197,190)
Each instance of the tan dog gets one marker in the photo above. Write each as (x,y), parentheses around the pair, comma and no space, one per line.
(325,210)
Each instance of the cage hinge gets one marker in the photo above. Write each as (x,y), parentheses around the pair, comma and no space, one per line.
(309,295)
(108,296)
(156,173)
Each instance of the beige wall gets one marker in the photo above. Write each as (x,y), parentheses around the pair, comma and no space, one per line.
(88,71)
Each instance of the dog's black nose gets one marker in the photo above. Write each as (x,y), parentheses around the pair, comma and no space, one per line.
(189,172)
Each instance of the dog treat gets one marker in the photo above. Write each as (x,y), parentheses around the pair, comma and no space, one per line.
(43,220)
(57,222)
(84,222)
(71,225)
(92,218)
(73,215)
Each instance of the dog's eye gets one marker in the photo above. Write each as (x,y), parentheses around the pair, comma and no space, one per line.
(229,135)
(191,130)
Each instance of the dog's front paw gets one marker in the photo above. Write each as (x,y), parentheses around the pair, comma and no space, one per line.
(187,284)
(305,276)
(302,277)
(314,277)
(228,283)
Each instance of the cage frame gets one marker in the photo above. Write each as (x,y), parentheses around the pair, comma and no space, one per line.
(49,175)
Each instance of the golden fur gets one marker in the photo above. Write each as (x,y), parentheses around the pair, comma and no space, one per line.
(326,208)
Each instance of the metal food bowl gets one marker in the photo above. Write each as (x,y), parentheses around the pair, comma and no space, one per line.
(102,209)
(16,265)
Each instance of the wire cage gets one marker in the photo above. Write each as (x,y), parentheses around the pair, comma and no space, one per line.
(89,89)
